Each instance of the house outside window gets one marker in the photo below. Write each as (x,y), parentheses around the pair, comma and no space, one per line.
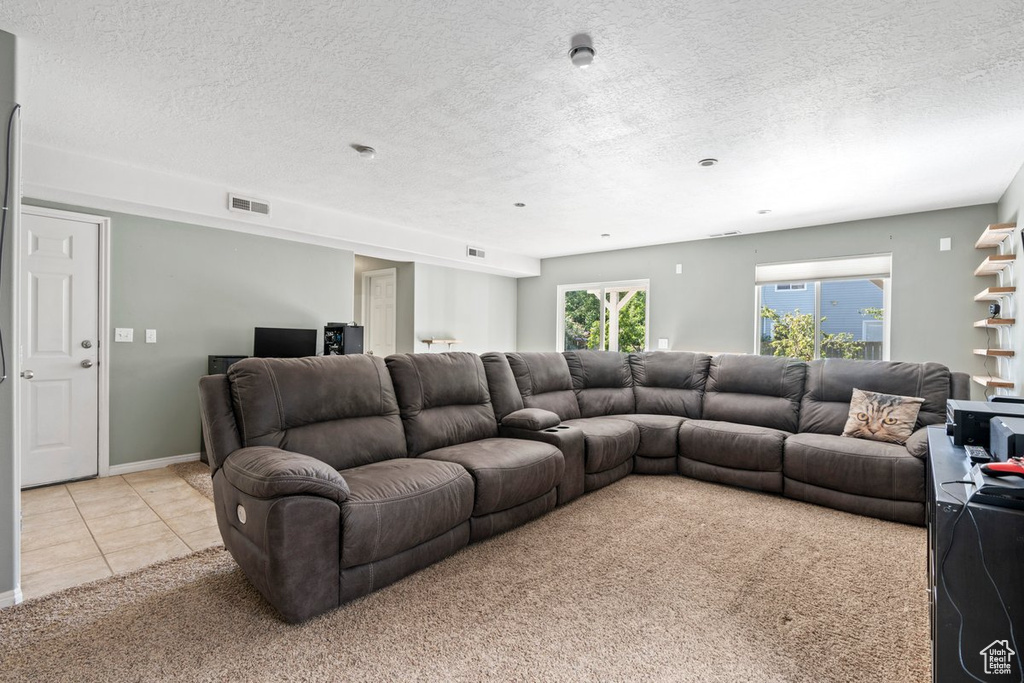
(830,308)
(613,316)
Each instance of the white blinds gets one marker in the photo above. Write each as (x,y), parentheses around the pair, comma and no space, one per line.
(872,266)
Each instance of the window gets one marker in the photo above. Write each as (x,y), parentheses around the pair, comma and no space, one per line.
(612,316)
(837,308)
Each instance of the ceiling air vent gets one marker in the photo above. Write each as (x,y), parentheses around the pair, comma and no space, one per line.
(725,234)
(474,252)
(248,205)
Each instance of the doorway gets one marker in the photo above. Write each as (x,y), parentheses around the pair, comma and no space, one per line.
(62,354)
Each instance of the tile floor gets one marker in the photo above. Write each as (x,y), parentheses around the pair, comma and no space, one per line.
(87,530)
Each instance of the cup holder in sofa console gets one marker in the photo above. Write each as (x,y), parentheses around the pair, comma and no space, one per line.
(551,429)
(562,427)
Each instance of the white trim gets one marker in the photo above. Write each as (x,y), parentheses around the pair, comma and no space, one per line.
(364,319)
(102,224)
(154,464)
(11,598)
(14,354)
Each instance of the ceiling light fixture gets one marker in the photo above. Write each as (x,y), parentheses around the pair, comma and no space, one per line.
(707,162)
(582,51)
(605,234)
(764,212)
(519,205)
(364,151)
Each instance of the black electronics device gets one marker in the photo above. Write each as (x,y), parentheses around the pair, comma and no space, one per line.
(1006,437)
(218,365)
(993,310)
(1005,492)
(968,421)
(342,338)
(280,342)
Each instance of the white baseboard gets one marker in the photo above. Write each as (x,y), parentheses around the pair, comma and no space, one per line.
(153,464)
(11,598)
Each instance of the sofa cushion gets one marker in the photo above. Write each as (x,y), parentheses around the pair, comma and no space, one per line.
(659,434)
(737,446)
(314,405)
(443,399)
(882,417)
(501,384)
(506,472)
(830,383)
(669,382)
(398,504)
(607,442)
(544,382)
(764,391)
(602,381)
(857,466)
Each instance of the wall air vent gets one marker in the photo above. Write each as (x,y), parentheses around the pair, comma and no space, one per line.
(248,205)
(474,252)
(725,234)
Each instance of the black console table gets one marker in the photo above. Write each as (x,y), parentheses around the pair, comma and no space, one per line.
(964,548)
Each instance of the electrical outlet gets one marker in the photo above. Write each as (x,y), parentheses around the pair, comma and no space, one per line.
(662,343)
(124,334)
(151,336)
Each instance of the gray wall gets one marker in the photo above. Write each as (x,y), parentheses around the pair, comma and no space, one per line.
(478,309)
(405,295)
(203,290)
(710,306)
(9,556)
(1010,210)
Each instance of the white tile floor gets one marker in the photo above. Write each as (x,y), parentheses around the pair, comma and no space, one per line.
(79,532)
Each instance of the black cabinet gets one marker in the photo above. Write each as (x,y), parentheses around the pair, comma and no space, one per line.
(975,574)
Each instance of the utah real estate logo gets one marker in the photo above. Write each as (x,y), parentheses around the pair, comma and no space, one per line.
(998,658)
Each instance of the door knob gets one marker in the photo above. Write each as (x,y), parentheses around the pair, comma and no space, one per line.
(86,344)
(86,363)
(28,374)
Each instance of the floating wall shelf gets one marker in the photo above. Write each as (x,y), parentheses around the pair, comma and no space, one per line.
(994,264)
(993,382)
(995,322)
(995,353)
(994,235)
(449,342)
(994,293)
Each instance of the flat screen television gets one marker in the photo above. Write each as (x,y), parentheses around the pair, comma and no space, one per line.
(280,342)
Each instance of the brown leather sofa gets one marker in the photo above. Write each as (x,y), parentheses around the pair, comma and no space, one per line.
(335,476)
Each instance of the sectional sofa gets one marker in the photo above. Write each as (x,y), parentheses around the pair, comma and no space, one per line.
(335,476)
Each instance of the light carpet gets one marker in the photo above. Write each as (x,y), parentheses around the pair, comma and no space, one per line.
(197,474)
(652,578)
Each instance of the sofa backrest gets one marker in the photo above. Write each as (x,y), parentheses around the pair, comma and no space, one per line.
(501,383)
(669,382)
(602,381)
(338,409)
(764,391)
(831,381)
(442,398)
(544,382)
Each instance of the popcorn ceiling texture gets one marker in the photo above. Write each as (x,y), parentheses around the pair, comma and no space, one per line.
(822,112)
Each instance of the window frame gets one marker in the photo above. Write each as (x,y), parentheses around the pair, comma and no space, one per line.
(819,269)
(561,290)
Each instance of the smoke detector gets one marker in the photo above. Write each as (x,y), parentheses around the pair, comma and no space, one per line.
(582,51)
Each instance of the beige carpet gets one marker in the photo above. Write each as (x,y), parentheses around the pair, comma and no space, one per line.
(653,578)
(197,474)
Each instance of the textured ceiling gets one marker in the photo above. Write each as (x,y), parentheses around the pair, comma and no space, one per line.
(819,111)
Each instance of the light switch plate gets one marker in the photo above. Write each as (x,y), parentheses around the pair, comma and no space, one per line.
(151,336)
(662,343)
(945,243)
(124,334)
(679,269)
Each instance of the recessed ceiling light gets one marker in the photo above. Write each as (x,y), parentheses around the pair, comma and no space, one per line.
(605,234)
(519,204)
(364,151)
(707,162)
(764,212)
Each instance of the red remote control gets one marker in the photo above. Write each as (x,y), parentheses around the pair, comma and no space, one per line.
(1014,467)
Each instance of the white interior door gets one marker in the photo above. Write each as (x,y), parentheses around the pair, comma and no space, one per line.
(58,346)
(379,288)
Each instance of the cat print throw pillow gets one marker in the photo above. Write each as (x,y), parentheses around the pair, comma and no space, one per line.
(882,417)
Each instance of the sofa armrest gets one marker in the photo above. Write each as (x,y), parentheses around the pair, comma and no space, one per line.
(917,443)
(570,441)
(533,419)
(265,472)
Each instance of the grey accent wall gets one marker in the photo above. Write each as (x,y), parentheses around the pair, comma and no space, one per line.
(1009,210)
(710,306)
(203,290)
(9,500)
(476,308)
(405,276)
